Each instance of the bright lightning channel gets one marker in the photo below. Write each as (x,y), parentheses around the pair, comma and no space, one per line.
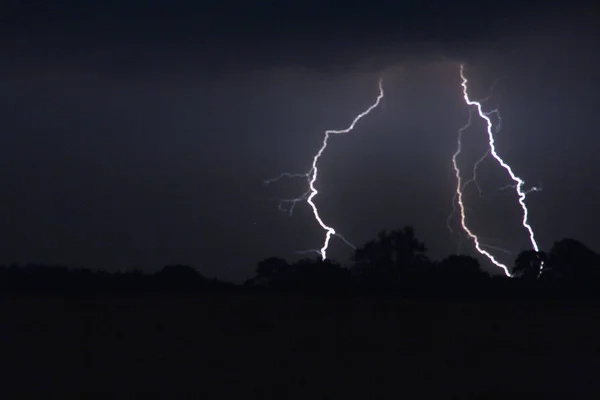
(473,179)
(460,188)
(518,181)
(459,200)
(312,176)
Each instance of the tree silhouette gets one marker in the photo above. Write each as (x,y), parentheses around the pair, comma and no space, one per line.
(461,268)
(271,271)
(178,272)
(399,248)
(320,274)
(571,260)
(306,273)
(395,260)
(382,261)
(375,252)
(528,263)
(179,277)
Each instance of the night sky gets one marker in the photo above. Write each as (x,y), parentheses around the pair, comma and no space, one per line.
(138,134)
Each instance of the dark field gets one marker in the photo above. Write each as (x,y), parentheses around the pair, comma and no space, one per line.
(248,346)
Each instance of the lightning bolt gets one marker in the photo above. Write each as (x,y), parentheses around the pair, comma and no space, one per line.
(518,181)
(459,200)
(491,247)
(473,179)
(312,176)
(474,176)
(461,188)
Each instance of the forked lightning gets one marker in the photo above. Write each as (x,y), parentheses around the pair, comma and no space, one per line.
(312,176)
(518,181)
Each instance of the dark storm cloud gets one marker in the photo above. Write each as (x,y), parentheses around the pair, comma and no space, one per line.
(234,35)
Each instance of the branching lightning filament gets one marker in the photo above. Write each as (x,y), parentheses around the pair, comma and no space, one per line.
(518,181)
(312,176)
(459,200)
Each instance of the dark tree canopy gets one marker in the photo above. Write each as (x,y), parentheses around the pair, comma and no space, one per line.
(573,261)
(528,264)
(395,260)
(397,248)
(461,268)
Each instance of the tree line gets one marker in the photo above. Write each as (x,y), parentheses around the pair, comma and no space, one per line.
(395,261)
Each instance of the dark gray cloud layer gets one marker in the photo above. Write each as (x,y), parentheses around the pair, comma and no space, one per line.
(238,35)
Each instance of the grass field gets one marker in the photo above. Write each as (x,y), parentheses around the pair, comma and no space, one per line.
(250,346)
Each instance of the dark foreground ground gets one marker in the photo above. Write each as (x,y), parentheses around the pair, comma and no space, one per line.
(249,346)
